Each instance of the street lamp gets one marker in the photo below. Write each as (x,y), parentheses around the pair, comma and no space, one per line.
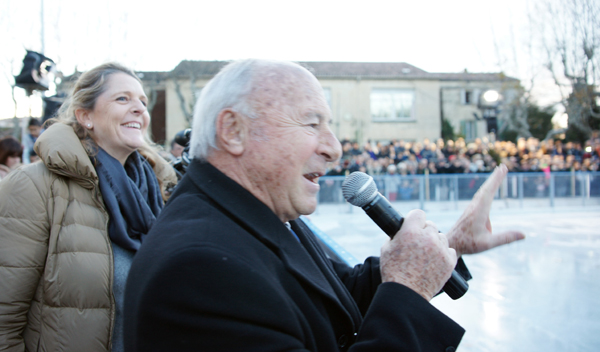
(35,72)
(489,102)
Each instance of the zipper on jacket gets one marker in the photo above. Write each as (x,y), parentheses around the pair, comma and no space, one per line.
(111,262)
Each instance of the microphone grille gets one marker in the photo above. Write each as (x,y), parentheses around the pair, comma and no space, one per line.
(359,189)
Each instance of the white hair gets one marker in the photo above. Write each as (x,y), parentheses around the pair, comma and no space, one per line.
(231,88)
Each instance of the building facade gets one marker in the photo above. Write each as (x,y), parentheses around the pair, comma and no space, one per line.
(369,101)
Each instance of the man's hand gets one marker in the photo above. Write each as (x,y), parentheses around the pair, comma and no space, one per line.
(472,233)
(418,256)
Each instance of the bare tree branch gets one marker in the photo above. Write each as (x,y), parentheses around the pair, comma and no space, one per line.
(571,37)
(182,102)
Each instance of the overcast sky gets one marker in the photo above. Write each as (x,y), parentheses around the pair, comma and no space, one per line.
(436,36)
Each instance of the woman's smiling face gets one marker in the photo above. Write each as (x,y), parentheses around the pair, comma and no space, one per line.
(120,118)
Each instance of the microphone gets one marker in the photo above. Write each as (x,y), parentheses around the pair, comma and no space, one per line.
(360,190)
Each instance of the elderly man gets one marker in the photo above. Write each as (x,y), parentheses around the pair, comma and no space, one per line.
(229,266)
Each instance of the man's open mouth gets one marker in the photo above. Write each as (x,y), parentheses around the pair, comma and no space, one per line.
(313,177)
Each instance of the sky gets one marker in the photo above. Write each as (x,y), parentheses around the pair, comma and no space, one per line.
(435,35)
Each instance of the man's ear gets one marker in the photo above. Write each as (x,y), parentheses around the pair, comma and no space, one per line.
(231,131)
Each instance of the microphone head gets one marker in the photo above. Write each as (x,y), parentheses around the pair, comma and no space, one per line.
(359,189)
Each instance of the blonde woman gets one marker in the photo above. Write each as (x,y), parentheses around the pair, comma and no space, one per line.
(71,224)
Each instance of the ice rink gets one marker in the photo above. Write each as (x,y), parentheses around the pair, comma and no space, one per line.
(540,294)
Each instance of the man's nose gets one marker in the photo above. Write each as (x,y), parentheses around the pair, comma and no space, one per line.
(331,148)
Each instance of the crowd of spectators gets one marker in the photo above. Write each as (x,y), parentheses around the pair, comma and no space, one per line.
(457,156)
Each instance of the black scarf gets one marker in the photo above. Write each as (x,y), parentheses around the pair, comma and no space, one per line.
(132,197)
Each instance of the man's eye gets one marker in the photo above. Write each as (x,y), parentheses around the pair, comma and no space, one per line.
(144,102)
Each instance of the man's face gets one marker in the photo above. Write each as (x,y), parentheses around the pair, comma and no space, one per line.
(177,150)
(290,144)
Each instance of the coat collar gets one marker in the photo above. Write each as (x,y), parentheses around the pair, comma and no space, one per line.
(62,152)
(249,212)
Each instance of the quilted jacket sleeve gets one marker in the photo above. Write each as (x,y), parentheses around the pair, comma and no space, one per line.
(24,231)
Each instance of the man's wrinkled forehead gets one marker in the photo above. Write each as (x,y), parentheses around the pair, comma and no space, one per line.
(285,87)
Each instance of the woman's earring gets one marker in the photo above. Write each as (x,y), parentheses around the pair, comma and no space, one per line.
(89,125)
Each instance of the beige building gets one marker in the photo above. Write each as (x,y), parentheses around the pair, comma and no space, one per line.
(369,101)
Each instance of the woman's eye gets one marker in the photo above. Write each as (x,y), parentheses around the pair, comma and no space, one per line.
(122,99)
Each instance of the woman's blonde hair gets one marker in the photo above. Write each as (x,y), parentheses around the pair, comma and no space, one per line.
(88,87)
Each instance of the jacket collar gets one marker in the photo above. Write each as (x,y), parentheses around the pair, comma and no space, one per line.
(246,210)
(61,151)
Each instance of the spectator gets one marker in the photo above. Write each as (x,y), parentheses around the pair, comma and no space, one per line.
(34,128)
(524,156)
(391,182)
(176,150)
(384,151)
(423,167)
(355,149)
(10,155)
(346,150)
(449,149)
(33,157)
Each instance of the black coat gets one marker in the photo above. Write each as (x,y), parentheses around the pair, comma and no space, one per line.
(220,272)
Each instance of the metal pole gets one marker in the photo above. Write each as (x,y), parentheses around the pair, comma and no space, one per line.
(552,190)
(520,191)
(427,193)
(455,191)
(16,127)
(43,40)
(421,193)
(573,193)
(589,184)
(584,186)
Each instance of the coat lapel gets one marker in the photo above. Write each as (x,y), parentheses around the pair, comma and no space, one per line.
(319,257)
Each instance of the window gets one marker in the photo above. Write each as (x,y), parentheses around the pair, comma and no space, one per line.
(468,129)
(392,104)
(327,94)
(469,97)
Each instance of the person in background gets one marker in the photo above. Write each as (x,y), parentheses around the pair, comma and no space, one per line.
(230,265)
(10,155)
(71,223)
(176,150)
(33,157)
(34,129)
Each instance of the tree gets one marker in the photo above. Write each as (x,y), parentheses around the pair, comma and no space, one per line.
(447,130)
(514,114)
(556,57)
(570,38)
(183,72)
(540,121)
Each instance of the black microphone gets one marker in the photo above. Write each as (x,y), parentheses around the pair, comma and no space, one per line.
(360,190)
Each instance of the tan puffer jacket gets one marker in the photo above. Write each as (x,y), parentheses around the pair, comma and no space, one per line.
(56,264)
